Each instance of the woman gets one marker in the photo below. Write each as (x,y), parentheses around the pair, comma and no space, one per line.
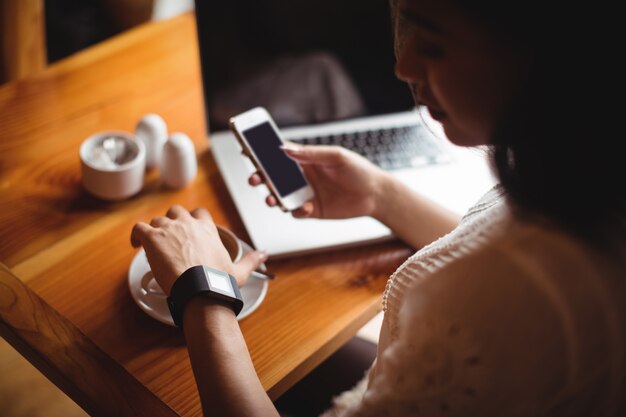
(519,309)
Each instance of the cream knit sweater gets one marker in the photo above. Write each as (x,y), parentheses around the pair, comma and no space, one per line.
(499,318)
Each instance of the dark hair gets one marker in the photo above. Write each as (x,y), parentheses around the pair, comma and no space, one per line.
(556,146)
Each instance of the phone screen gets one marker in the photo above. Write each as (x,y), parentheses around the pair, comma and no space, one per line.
(282,170)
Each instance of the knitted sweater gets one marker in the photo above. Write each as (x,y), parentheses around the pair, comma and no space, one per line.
(499,318)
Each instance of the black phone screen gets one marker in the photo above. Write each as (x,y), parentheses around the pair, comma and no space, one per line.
(282,170)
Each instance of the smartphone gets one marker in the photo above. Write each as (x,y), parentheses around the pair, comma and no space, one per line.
(260,140)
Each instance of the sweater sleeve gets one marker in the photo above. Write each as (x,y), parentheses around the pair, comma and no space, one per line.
(478,338)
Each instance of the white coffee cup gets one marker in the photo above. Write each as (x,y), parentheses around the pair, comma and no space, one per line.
(108,179)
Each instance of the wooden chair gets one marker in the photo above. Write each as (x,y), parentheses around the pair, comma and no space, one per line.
(23,51)
(22,39)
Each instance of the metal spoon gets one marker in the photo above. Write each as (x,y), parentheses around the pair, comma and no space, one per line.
(110,146)
(262,275)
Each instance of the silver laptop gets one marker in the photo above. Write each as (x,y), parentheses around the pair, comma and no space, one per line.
(324,83)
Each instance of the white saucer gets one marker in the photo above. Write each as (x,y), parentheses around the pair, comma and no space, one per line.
(151,299)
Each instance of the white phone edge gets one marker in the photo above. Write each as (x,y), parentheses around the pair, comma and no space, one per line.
(254,117)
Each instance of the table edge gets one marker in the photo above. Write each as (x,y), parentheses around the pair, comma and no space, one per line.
(68,358)
(324,352)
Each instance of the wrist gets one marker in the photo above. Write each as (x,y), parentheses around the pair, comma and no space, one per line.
(384,191)
(201,306)
(203,282)
(207,314)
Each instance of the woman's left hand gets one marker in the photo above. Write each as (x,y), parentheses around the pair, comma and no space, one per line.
(181,239)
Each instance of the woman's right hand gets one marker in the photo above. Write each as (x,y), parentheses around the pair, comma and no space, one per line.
(345,184)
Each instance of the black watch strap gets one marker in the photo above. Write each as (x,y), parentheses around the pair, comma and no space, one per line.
(201,279)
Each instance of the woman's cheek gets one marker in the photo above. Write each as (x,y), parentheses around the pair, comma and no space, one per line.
(464,110)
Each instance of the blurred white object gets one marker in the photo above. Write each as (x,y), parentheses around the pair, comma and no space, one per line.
(179,165)
(152,131)
(115,172)
(101,159)
(371,331)
(165,9)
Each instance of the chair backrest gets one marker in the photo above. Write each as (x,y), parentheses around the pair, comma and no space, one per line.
(23,47)
(22,39)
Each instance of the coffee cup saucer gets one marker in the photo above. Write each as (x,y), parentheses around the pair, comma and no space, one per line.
(151,299)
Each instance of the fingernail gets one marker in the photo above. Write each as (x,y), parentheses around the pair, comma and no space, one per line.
(290,148)
(263,255)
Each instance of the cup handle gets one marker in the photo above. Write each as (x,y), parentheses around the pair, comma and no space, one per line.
(150,286)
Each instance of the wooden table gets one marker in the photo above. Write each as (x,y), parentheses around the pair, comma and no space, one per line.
(64,299)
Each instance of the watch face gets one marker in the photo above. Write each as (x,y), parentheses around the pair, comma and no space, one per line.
(219,282)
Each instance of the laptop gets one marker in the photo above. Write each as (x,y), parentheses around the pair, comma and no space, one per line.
(326,76)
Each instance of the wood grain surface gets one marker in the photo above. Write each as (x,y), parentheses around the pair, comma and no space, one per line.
(70,359)
(72,251)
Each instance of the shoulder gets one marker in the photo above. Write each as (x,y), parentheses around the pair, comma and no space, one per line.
(512,320)
(530,281)
(529,263)
(494,330)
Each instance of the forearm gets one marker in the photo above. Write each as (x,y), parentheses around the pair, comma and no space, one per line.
(412,217)
(226,379)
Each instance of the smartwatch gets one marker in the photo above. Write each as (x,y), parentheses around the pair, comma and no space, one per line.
(209,282)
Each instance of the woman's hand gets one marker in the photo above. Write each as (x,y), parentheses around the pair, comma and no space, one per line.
(181,240)
(345,184)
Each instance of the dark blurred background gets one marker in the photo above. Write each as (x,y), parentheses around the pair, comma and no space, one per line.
(72,25)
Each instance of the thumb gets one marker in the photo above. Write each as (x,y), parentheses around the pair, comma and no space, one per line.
(247,264)
(315,154)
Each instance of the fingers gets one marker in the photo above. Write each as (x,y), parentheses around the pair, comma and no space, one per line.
(306,210)
(159,221)
(201,213)
(255,179)
(247,264)
(318,154)
(139,233)
(176,212)
(271,201)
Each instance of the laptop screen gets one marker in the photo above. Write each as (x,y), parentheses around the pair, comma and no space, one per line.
(307,62)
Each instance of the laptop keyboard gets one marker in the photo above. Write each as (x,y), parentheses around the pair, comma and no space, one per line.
(390,149)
